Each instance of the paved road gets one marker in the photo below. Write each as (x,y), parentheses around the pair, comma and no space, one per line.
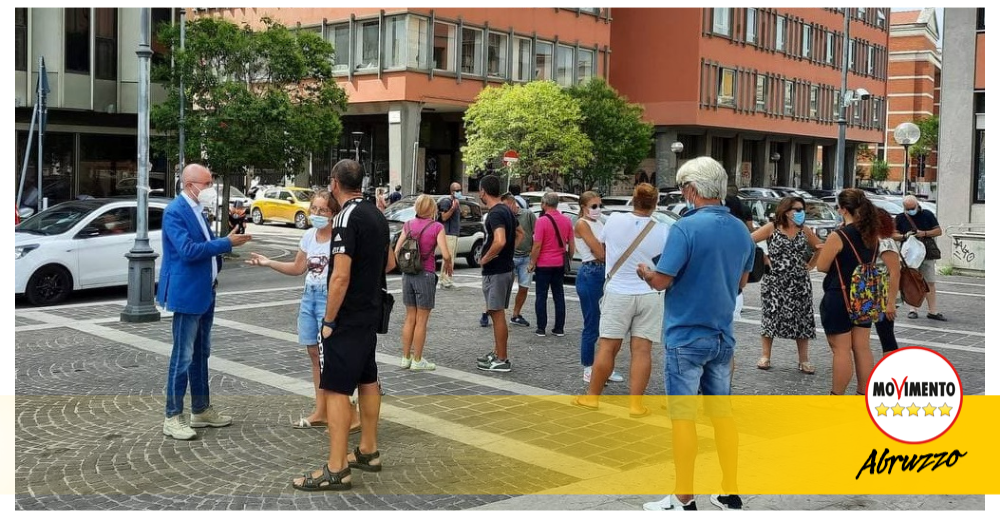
(89,407)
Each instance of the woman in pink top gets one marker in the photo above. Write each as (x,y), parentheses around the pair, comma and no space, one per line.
(419,289)
(553,238)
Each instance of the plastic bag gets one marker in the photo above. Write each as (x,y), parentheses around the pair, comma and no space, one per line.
(913,252)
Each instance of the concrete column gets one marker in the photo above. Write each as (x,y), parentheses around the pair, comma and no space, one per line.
(957,138)
(762,165)
(850,163)
(404,131)
(706,146)
(786,165)
(666,160)
(829,165)
(734,158)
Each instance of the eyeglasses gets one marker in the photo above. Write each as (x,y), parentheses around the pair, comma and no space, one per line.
(314,209)
(596,206)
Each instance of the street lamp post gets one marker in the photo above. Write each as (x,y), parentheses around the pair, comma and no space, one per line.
(906,135)
(677,148)
(141,259)
(838,177)
(180,130)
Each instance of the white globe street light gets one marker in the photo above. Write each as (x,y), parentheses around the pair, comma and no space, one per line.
(906,135)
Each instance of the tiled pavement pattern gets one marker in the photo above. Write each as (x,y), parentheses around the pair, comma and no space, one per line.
(89,411)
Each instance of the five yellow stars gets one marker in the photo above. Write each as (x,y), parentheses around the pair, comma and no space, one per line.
(913,409)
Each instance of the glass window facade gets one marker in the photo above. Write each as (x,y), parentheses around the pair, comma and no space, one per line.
(472,51)
(564,66)
(543,61)
(444,46)
(496,55)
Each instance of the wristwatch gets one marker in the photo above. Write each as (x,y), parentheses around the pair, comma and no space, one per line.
(332,325)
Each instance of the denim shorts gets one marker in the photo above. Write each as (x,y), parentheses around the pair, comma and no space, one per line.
(312,308)
(521,271)
(704,363)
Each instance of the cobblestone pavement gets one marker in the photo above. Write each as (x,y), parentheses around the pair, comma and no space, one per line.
(89,409)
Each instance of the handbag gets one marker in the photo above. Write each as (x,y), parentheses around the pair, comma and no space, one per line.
(387,302)
(567,258)
(628,252)
(912,285)
(933,252)
(759,268)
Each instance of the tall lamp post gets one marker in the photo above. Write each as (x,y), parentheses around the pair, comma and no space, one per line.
(677,148)
(141,259)
(906,135)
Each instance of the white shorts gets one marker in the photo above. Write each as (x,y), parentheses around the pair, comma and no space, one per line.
(640,315)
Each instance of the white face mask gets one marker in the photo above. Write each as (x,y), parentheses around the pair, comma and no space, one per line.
(208,197)
(594,214)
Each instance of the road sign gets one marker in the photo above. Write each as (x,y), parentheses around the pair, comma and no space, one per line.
(510,157)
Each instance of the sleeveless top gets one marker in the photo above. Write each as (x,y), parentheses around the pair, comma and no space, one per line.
(847,260)
(596,227)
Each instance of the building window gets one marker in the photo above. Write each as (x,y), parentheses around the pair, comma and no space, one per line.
(366,50)
(496,59)
(980,166)
(584,66)
(564,66)
(751,25)
(444,46)
(21,38)
(727,87)
(779,34)
(543,61)
(829,47)
(721,18)
(789,98)
(880,17)
(813,101)
(78,40)
(761,92)
(106,43)
(876,110)
(341,49)
(981,19)
(395,42)
(416,36)
(472,51)
(850,56)
(861,13)
(159,17)
(871,60)
(836,105)
(523,71)
(806,41)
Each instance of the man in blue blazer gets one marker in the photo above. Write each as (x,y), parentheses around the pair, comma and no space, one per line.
(188,277)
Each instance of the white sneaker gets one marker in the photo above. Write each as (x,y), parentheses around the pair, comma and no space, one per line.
(210,418)
(669,503)
(587,370)
(616,377)
(176,428)
(405,362)
(423,364)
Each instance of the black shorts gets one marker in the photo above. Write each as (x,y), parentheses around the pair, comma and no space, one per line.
(349,359)
(833,314)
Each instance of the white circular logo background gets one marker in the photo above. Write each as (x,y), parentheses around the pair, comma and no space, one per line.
(914,395)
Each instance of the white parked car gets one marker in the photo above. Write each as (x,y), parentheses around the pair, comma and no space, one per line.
(79,244)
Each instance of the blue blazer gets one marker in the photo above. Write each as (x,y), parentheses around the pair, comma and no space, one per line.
(186,271)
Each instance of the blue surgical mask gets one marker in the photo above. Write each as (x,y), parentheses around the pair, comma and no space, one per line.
(319,221)
(799,217)
(458,195)
(911,212)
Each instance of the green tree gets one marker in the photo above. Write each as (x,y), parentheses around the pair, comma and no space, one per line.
(539,120)
(928,137)
(879,171)
(265,99)
(621,139)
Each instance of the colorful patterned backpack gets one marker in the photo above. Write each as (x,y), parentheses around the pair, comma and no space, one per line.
(866,300)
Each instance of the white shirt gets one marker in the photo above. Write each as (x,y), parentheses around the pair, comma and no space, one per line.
(317,258)
(617,235)
(596,227)
(199,213)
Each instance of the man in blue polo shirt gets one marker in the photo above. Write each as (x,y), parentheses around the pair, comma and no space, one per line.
(707,259)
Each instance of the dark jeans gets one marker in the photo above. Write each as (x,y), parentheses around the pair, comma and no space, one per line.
(544,278)
(590,289)
(887,335)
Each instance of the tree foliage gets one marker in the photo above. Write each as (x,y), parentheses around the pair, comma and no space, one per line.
(539,120)
(879,170)
(263,99)
(620,138)
(928,136)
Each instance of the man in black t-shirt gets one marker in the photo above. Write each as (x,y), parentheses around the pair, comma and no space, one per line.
(498,270)
(360,255)
(922,224)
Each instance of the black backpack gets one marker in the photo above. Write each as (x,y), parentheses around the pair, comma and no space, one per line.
(410,260)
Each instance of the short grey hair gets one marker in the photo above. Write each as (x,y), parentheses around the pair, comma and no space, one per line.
(910,199)
(550,199)
(707,176)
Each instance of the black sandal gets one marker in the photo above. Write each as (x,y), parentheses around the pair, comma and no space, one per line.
(363,461)
(328,481)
